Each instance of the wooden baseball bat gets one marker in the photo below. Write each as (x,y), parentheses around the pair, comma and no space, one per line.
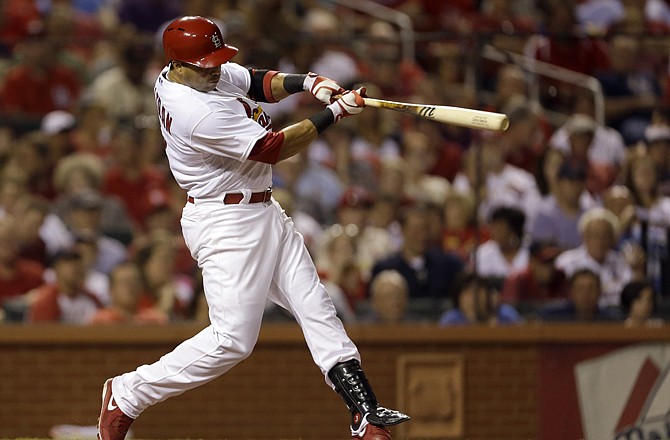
(464,117)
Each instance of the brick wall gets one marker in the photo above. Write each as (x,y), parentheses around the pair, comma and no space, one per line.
(53,375)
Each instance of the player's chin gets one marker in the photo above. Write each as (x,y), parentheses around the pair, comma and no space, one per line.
(207,87)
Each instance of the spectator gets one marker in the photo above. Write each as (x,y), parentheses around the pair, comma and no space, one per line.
(374,243)
(583,301)
(140,186)
(429,272)
(37,84)
(506,250)
(525,139)
(657,142)
(125,283)
(476,301)
(65,300)
(122,89)
(638,304)
(605,153)
(498,183)
(165,290)
(631,93)
(538,283)
(566,44)
(17,275)
(461,233)
(83,217)
(599,229)
(546,171)
(558,214)
(317,189)
(651,228)
(32,210)
(338,265)
(307,225)
(80,173)
(389,299)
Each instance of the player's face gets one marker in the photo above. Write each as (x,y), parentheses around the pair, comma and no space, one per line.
(201,79)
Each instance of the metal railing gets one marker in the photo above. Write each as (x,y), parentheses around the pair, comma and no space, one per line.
(384,13)
(541,68)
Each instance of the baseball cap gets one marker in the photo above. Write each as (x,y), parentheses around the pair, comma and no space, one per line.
(57,121)
(581,124)
(571,171)
(657,133)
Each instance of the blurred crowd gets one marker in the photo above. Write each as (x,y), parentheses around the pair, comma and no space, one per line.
(563,217)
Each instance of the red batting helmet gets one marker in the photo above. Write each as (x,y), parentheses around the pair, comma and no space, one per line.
(196,40)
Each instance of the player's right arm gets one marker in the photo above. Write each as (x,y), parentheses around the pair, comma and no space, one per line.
(277,146)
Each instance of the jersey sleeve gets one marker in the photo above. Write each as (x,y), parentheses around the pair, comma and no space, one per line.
(237,75)
(227,134)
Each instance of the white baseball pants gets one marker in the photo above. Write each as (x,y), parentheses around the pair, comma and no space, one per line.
(248,253)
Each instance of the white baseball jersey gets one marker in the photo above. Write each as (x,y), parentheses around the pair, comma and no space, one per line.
(248,252)
(209,135)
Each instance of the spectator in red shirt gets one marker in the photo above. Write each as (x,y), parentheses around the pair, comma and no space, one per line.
(125,290)
(539,282)
(65,300)
(38,84)
(17,275)
(142,187)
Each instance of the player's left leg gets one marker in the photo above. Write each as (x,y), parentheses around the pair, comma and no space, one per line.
(298,289)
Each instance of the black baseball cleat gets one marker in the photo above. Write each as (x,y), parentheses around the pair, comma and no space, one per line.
(368,418)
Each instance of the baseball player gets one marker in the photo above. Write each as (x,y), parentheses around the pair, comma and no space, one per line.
(220,145)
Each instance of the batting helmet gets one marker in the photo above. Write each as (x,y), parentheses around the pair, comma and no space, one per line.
(196,40)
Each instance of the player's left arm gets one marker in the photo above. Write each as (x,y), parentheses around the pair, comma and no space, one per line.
(273,86)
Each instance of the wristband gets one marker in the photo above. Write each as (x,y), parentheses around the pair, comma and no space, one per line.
(323,119)
(294,83)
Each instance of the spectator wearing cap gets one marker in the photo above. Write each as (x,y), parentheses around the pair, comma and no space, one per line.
(539,282)
(582,139)
(657,137)
(57,127)
(429,271)
(83,217)
(599,229)
(64,300)
(558,214)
